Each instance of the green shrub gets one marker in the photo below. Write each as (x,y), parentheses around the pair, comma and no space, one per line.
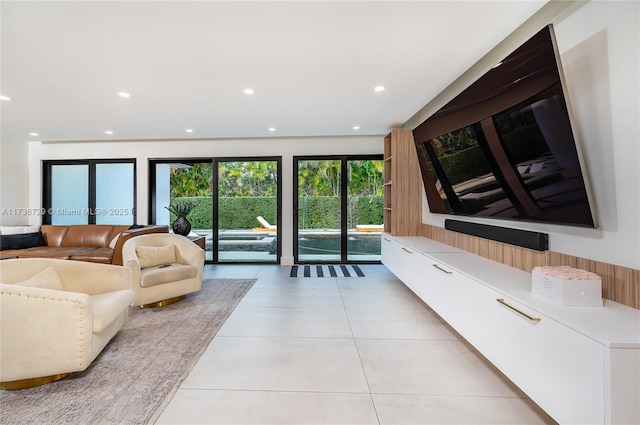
(241,212)
(318,212)
(368,210)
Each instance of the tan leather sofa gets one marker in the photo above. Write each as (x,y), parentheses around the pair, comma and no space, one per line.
(56,316)
(83,242)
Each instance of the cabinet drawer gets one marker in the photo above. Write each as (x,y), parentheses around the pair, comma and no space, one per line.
(559,368)
(448,293)
(390,255)
(402,261)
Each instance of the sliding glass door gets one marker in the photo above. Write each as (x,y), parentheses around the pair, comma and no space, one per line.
(338,209)
(318,212)
(181,181)
(247,210)
(236,204)
(365,208)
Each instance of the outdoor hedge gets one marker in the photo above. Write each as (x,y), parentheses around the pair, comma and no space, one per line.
(319,212)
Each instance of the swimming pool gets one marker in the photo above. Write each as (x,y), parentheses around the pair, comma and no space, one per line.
(329,244)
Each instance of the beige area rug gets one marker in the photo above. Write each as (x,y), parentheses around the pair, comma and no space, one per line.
(137,373)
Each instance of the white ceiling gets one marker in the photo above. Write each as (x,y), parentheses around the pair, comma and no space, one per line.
(313,65)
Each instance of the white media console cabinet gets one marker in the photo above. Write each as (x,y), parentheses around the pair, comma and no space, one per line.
(580,364)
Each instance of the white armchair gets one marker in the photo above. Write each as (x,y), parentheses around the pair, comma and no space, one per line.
(165,268)
(56,317)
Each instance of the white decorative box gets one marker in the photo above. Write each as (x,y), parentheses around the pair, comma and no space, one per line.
(567,286)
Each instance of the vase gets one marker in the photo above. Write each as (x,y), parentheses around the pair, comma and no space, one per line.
(181,226)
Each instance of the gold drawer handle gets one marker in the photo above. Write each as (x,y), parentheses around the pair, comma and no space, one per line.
(406,250)
(442,270)
(531,319)
(386,239)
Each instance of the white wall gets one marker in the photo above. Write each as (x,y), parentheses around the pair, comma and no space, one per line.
(599,44)
(14,182)
(145,150)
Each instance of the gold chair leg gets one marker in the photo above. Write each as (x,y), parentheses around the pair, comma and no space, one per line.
(164,302)
(31,382)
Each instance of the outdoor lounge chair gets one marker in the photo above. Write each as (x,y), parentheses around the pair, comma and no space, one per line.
(369,227)
(265,226)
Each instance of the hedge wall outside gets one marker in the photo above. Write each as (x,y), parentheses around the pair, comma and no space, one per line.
(320,212)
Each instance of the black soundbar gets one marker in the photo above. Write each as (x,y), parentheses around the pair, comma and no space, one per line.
(523,238)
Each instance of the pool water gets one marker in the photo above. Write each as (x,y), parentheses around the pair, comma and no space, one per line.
(330,244)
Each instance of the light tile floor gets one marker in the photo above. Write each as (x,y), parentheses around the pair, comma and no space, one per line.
(340,351)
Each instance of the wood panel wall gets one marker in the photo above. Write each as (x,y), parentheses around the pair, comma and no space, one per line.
(620,284)
(406,215)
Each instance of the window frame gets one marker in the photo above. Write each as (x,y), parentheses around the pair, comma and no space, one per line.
(47,200)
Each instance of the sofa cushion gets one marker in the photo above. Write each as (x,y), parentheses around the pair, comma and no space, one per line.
(53,252)
(158,275)
(53,235)
(107,307)
(46,279)
(21,241)
(94,255)
(88,235)
(10,253)
(151,256)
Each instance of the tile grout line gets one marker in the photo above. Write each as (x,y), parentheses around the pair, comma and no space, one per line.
(355,343)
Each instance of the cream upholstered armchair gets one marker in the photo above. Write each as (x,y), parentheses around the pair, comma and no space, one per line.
(165,268)
(56,316)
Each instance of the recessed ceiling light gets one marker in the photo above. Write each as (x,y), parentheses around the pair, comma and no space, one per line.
(124,94)
(356,127)
(248,91)
(5,98)
(272,129)
(108,132)
(378,88)
(33,134)
(189,130)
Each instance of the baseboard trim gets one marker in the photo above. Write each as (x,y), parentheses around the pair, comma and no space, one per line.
(286,261)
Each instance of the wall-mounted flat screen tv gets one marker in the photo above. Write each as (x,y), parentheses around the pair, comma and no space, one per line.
(505,148)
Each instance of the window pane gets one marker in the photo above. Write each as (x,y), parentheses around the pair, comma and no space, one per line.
(163,193)
(364,209)
(178,183)
(319,210)
(247,211)
(70,194)
(114,193)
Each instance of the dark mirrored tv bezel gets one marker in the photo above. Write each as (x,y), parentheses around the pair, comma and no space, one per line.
(528,71)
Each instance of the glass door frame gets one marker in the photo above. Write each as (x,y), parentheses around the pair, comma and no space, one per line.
(278,161)
(214,161)
(344,184)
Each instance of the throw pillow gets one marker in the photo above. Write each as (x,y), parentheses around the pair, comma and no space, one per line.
(46,279)
(21,241)
(151,256)
(18,230)
(114,241)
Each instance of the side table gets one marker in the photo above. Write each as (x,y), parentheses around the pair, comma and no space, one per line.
(198,240)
